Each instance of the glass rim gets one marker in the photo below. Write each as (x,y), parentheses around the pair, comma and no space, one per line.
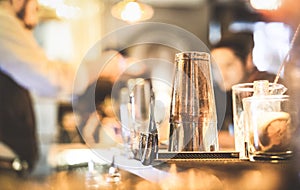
(249,86)
(266,98)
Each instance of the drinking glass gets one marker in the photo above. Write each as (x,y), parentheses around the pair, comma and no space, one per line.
(127,130)
(145,139)
(239,92)
(268,120)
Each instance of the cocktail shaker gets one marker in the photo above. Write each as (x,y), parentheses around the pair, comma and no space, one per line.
(193,119)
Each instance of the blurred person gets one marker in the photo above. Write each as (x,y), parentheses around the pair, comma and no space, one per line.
(91,123)
(233,57)
(100,122)
(68,130)
(25,69)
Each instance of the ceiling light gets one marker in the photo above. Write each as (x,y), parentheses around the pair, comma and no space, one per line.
(132,11)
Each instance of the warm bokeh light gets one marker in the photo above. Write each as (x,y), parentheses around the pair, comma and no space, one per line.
(132,11)
(65,9)
(266,4)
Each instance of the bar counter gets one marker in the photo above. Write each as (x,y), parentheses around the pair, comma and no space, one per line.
(206,174)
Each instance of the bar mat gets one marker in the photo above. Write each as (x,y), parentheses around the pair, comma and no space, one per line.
(197,155)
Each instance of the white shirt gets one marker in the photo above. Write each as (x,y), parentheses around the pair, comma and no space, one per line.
(23,60)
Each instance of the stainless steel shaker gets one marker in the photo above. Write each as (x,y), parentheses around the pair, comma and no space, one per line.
(193,120)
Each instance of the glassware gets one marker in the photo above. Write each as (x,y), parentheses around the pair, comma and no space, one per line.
(193,123)
(239,92)
(268,121)
(145,139)
(140,104)
(148,144)
(139,111)
(126,122)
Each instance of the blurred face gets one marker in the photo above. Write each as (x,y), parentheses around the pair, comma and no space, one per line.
(31,13)
(27,12)
(69,122)
(230,66)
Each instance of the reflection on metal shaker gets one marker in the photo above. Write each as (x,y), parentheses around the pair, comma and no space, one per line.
(193,120)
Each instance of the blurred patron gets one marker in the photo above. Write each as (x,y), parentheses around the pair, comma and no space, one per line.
(98,105)
(233,58)
(68,130)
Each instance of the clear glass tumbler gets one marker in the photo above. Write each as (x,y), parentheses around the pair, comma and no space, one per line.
(239,92)
(268,120)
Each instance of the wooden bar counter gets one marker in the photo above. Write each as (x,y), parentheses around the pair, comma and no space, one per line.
(202,174)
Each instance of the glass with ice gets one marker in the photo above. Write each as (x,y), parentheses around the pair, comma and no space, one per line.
(239,92)
(268,120)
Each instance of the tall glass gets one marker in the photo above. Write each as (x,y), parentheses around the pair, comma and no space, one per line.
(127,129)
(145,136)
(193,123)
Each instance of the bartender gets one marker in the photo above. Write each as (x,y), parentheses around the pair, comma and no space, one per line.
(24,68)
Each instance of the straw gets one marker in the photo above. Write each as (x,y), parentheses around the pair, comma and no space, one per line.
(285,60)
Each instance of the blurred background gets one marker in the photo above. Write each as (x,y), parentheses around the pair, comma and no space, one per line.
(69,28)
